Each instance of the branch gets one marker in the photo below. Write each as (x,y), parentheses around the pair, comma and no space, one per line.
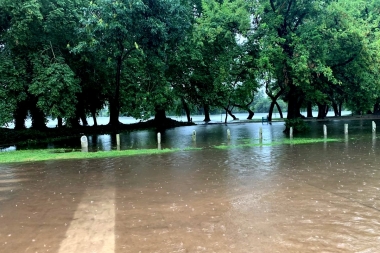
(345,62)
(272,5)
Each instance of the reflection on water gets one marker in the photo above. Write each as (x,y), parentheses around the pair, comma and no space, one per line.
(320,197)
(209,135)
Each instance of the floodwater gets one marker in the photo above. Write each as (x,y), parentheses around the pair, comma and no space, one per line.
(320,197)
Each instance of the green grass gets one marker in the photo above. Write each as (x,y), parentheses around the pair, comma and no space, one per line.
(293,141)
(59,154)
(56,154)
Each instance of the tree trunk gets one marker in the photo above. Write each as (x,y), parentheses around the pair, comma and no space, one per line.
(335,108)
(114,102)
(309,110)
(93,113)
(340,109)
(187,109)
(20,116)
(207,113)
(322,110)
(84,119)
(160,116)
(60,122)
(38,118)
(230,113)
(269,116)
(293,110)
(250,114)
(376,108)
(279,110)
(74,122)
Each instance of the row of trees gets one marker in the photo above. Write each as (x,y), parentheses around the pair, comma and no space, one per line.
(69,58)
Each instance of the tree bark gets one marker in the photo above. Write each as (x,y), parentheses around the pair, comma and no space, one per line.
(293,110)
(309,110)
(279,110)
(38,118)
(207,113)
(114,102)
(20,115)
(322,110)
(160,116)
(60,122)
(187,109)
(250,114)
(93,113)
(230,113)
(335,108)
(269,116)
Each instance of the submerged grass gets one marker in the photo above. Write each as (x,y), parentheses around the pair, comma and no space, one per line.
(56,154)
(293,141)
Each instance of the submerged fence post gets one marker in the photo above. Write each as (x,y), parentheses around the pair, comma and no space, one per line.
(345,128)
(373,126)
(261,133)
(325,130)
(291,132)
(228,134)
(159,138)
(194,136)
(84,143)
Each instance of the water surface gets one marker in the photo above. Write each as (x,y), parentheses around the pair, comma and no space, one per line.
(320,197)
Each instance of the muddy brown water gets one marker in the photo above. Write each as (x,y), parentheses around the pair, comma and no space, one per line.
(321,197)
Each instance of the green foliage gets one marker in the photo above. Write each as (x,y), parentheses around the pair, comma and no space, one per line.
(298,125)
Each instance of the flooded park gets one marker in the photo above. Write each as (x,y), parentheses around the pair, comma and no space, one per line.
(263,196)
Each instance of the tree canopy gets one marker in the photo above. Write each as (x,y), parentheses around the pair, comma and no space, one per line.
(68,59)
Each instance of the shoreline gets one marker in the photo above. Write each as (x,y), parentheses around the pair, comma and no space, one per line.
(11,137)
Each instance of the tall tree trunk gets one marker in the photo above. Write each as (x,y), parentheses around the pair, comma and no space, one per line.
(114,103)
(279,110)
(20,115)
(93,113)
(38,118)
(250,113)
(160,116)
(60,122)
(309,110)
(186,108)
(376,108)
(340,109)
(230,113)
(322,110)
(335,108)
(269,116)
(293,110)
(207,113)
(84,119)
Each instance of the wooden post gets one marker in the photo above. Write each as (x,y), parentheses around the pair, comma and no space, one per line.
(194,136)
(228,134)
(159,138)
(291,132)
(118,140)
(261,133)
(373,127)
(84,143)
(325,130)
(345,128)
